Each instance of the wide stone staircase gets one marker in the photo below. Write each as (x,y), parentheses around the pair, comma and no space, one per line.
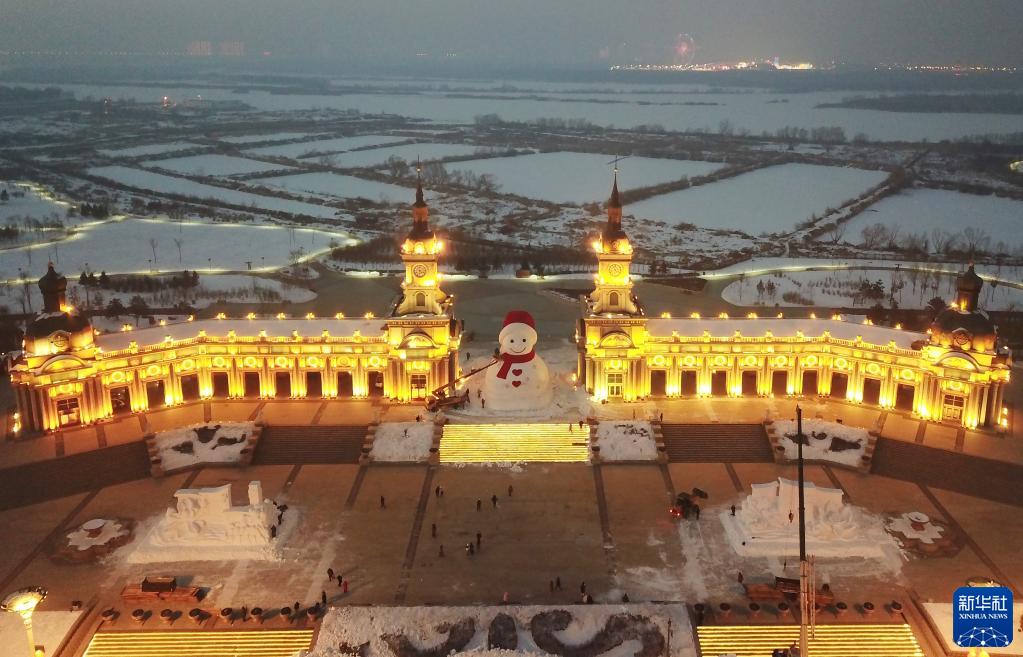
(716,443)
(963,473)
(301,444)
(513,443)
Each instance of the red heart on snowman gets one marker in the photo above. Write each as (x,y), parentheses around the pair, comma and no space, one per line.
(516,383)
(516,372)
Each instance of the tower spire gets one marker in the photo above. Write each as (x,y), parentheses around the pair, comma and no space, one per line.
(420,211)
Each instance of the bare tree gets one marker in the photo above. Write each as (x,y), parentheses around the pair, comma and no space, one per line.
(975,240)
(152,244)
(835,231)
(874,235)
(941,239)
(178,242)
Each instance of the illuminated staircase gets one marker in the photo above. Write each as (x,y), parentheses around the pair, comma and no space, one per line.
(499,443)
(831,640)
(214,643)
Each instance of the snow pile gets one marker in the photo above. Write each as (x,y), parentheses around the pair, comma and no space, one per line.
(827,441)
(463,631)
(49,628)
(202,443)
(626,441)
(402,441)
(941,616)
(766,524)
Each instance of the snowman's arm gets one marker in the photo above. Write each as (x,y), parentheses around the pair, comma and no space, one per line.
(442,390)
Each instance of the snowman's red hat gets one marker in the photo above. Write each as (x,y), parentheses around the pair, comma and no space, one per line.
(518,318)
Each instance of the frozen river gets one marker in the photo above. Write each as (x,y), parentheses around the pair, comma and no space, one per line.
(675,109)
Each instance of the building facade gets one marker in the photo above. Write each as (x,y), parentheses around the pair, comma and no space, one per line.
(69,374)
(954,372)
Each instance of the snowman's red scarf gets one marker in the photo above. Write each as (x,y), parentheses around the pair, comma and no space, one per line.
(510,359)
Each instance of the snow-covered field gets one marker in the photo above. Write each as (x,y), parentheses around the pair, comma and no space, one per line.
(213,165)
(203,443)
(409,152)
(338,186)
(922,210)
(149,149)
(626,441)
(565,177)
(235,288)
(124,247)
(769,200)
(839,289)
(354,626)
(402,441)
(162,184)
(821,446)
(337,145)
(267,137)
(25,200)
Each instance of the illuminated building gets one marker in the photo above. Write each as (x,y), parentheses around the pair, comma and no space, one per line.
(954,372)
(69,374)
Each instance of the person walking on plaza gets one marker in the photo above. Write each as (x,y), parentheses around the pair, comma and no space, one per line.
(580,424)
(510,489)
(739,577)
(433,529)
(479,540)
(479,504)
(383,502)
(696,510)
(323,598)
(441,553)
(493,500)
(557,582)
(340,580)
(552,585)
(436,492)
(570,426)
(344,588)
(483,402)
(582,588)
(330,574)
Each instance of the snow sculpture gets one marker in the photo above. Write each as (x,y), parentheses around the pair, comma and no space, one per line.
(520,380)
(205,526)
(767,523)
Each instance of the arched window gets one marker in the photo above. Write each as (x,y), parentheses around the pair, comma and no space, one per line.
(612,299)
(420,300)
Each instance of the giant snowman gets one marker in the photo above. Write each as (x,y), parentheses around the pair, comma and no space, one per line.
(519,381)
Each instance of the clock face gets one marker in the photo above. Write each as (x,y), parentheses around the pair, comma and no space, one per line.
(60,341)
(962,338)
(419,271)
(615,270)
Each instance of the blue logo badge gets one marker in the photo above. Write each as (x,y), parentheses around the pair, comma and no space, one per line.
(982,616)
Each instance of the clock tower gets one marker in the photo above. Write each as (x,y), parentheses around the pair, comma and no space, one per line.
(613,291)
(421,293)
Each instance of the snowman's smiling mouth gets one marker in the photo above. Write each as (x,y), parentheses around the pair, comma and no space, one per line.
(520,350)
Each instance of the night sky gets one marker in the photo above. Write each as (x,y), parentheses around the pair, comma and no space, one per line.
(557,33)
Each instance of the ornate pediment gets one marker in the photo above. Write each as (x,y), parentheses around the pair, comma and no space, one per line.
(418,340)
(616,340)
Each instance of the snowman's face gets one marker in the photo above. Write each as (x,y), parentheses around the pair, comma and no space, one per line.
(517,339)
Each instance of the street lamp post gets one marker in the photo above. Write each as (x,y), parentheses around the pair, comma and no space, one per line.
(806,591)
(23,602)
